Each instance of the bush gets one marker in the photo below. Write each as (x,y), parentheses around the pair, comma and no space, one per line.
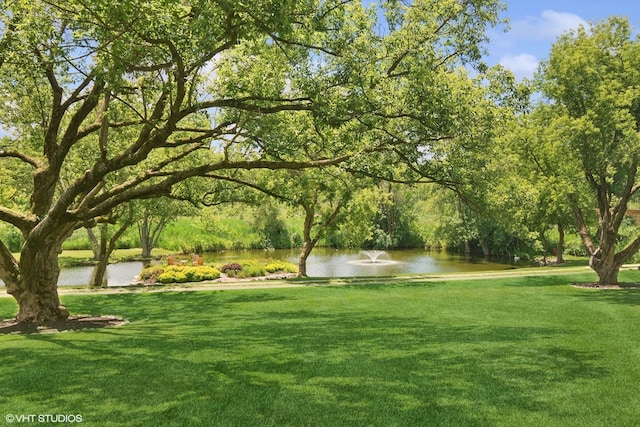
(179,274)
(255,268)
(234,266)
(252,269)
(296,240)
(150,274)
(284,266)
(575,247)
(172,276)
(126,243)
(200,273)
(12,238)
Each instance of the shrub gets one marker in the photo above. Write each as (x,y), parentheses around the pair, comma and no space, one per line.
(172,276)
(180,274)
(575,247)
(274,266)
(12,237)
(200,273)
(150,274)
(252,269)
(256,268)
(126,243)
(296,240)
(234,266)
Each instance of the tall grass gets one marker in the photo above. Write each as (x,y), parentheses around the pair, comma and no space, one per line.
(518,351)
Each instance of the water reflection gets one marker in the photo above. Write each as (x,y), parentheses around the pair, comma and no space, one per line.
(323,262)
(119,274)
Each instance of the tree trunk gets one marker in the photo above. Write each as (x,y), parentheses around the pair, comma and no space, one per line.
(308,242)
(93,242)
(307,247)
(98,276)
(37,291)
(107,246)
(603,259)
(146,249)
(485,247)
(149,235)
(606,266)
(607,272)
(145,238)
(560,248)
(608,276)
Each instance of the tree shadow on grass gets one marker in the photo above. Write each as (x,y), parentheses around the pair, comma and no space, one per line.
(612,296)
(73,323)
(547,281)
(258,297)
(206,358)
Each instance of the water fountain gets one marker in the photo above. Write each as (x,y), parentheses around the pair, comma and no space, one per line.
(374,258)
(374,255)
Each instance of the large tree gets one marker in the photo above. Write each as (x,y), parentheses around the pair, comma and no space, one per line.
(105,102)
(592,83)
(132,87)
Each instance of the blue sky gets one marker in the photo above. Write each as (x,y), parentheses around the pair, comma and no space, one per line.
(536,24)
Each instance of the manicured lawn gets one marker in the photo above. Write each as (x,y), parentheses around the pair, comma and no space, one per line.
(510,352)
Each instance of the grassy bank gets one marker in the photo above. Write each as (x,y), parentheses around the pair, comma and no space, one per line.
(512,351)
(70,258)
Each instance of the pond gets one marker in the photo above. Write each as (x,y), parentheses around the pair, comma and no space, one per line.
(323,262)
(119,274)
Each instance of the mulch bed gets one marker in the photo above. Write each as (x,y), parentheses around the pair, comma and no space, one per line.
(73,323)
(599,286)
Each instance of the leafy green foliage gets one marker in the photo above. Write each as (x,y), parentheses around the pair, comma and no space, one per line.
(181,274)
(358,226)
(592,81)
(252,268)
(269,223)
(11,237)
(280,266)
(114,102)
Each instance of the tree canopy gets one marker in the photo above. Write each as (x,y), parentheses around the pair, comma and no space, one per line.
(105,102)
(592,123)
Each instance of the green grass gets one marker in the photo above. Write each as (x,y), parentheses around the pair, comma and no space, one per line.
(521,351)
(71,258)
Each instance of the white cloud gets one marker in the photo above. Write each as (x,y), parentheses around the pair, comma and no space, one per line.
(530,38)
(522,65)
(548,26)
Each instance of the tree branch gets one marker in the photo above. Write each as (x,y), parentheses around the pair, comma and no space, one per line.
(134,189)
(9,269)
(582,227)
(285,104)
(19,155)
(18,219)
(625,254)
(620,208)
